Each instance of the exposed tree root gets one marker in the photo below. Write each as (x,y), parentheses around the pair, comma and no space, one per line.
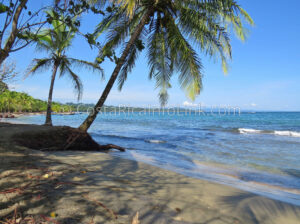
(111,146)
(113,214)
(47,138)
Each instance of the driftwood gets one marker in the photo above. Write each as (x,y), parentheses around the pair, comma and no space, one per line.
(111,146)
(136,219)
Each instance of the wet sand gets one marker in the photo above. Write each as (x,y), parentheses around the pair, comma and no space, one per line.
(81,187)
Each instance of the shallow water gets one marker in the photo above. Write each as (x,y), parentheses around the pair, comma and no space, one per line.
(256,152)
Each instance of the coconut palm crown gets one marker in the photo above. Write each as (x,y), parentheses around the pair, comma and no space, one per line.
(56,41)
(169,30)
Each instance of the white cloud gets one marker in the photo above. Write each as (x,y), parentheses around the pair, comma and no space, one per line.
(253,105)
(189,104)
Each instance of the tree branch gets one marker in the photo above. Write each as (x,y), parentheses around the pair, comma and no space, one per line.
(14,29)
(6,23)
(31,17)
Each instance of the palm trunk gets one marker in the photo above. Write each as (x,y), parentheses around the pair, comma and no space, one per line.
(92,116)
(49,105)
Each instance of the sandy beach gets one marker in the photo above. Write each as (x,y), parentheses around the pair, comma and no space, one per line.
(93,187)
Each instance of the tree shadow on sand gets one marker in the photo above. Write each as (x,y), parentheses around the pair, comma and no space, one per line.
(90,187)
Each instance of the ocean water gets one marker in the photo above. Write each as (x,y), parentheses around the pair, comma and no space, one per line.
(256,152)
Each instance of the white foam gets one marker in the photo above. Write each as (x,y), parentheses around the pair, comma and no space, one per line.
(247,131)
(155,141)
(281,133)
(288,133)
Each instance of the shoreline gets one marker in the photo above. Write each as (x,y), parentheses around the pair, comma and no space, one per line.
(219,173)
(69,184)
(234,177)
(12,115)
(222,174)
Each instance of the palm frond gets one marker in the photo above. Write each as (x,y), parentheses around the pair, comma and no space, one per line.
(207,33)
(108,21)
(117,34)
(39,65)
(128,66)
(160,61)
(173,28)
(129,5)
(63,66)
(73,62)
(78,87)
(185,60)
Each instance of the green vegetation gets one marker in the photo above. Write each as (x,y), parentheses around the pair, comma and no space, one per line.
(168,30)
(56,40)
(3,86)
(11,101)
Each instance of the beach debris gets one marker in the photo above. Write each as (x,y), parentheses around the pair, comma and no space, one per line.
(111,212)
(178,218)
(77,179)
(58,184)
(14,190)
(53,214)
(156,207)
(10,174)
(13,220)
(136,219)
(178,210)
(49,220)
(92,220)
(17,218)
(37,197)
(8,116)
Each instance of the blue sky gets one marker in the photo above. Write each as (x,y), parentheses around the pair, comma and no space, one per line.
(264,73)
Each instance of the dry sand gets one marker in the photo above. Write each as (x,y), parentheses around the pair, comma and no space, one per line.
(81,187)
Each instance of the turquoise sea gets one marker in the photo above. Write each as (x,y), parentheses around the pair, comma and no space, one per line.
(256,152)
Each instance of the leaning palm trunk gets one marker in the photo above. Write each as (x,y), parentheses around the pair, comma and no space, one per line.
(49,105)
(134,37)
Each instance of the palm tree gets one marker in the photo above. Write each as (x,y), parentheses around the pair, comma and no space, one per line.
(56,41)
(24,102)
(4,100)
(169,27)
(9,100)
(3,86)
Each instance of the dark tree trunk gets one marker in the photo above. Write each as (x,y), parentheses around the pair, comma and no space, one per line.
(92,116)
(3,56)
(49,105)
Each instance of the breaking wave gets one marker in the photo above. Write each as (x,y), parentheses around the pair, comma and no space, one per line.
(154,141)
(281,133)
